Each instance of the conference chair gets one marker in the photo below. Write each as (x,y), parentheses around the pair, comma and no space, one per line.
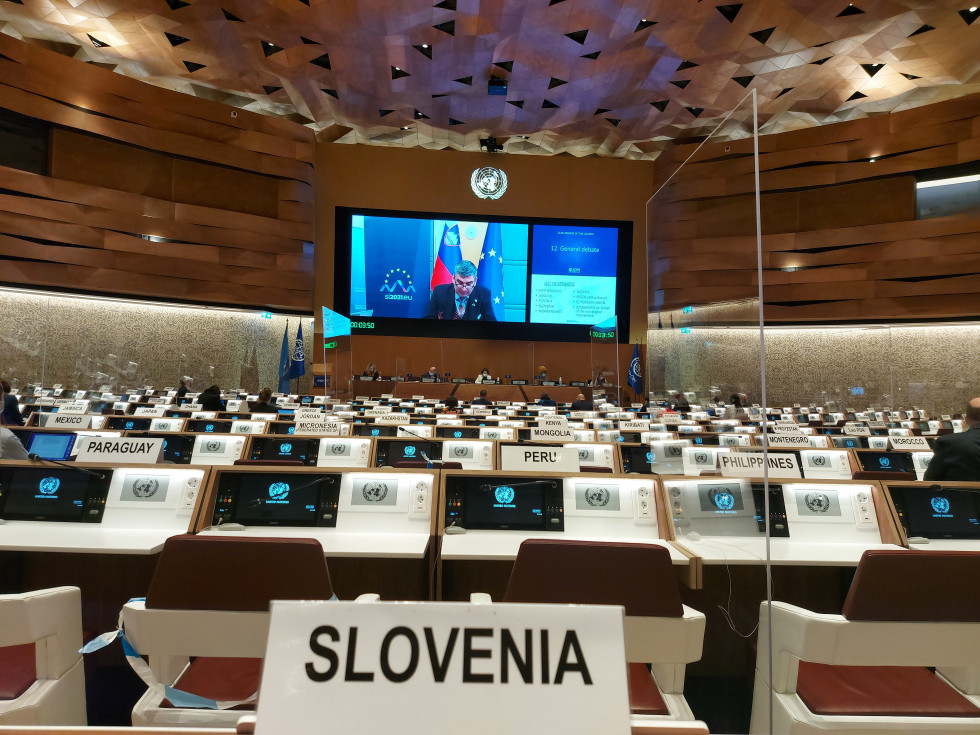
(42,679)
(661,632)
(903,655)
(204,622)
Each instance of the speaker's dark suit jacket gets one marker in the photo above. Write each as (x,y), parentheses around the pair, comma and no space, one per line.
(957,457)
(442,304)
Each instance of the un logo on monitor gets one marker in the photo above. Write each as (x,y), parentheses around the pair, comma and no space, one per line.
(409,451)
(49,485)
(504,494)
(885,462)
(337,448)
(213,446)
(488,182)
(375,492)
(597,497)
(461,451)
(701,458)
(818,460)
(145,487)
(673,451)
(723,499)
(817,502)
(583,454)
(285,448)
(940,505)
(279,490)
(457,435)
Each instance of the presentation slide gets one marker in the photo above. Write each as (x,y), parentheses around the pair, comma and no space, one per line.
(404,267)
(573,274)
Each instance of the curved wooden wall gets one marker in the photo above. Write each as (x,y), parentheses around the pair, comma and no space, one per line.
(230,199)
(840,238)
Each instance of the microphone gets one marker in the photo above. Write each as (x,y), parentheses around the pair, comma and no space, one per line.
(329,479)
(548,483)
(38,458)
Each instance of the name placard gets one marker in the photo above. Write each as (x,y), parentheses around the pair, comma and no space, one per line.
(670,418)
(327,428)
(71,406)
(393,418)
(333,662)
(786,429)
(308,414)
(156,411)
(164,400)
(549,459)
(377,411)
(482,411)
(857,431)
(751,464)
(66,420)
(549,434)
(111,449)
(634,425)
(553,422)
(909,442)
(788,440)
(877,425)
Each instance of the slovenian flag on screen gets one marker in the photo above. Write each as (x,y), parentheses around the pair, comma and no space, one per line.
(490,271)
(449,256)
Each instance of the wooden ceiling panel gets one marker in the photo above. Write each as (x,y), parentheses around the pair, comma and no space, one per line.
(586,77)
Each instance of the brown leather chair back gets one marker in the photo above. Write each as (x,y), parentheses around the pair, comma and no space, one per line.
(219,573)
(640,577)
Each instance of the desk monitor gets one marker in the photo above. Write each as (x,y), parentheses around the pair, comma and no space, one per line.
(636,458)
(65,494)
(504,503)
(209,426)
(725,507)
(375,430)
(390,451)
(668,456)
(849,442)
(938,512)
(707,439)
(298,449)
(876,461)
(277,499)
(51,445)
(128,423)
(458,432)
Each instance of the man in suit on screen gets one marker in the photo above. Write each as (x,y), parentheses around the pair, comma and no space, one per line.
(957,456)
(462,299)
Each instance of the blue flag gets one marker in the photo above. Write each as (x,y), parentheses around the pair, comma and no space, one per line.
(635,378)
(297,358)
(490,272)
(284,362)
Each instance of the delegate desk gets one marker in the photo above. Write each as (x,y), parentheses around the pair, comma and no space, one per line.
(375,525)
(559,393)
(466,392)
(487,515)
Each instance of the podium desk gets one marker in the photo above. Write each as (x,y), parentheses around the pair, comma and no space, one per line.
(375,524)
(574,507)
(437,391)
(559,393)
(372,388)
(466,392)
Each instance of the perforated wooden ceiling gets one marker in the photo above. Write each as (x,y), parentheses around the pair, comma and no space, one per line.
(605,77)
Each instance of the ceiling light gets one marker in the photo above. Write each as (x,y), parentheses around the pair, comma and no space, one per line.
(425,45)
(872,160)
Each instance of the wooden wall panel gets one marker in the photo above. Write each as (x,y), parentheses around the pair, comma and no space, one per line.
(228,201)
(840,238)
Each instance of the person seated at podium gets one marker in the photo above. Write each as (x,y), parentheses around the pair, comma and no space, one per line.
(210,399)
(482,400)
(581,404)
(462,299)
(371,371)
(431,374)
(182,390)
(263,405)
(546,400)
(542,374)
(957,456)
(680,403)
(484,377)
(450,404)
(10,446)
(736,410)
(11,408)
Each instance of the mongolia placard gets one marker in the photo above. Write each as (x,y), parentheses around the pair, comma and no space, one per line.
(478,669)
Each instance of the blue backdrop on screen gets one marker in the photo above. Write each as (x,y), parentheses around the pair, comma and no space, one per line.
(397,266)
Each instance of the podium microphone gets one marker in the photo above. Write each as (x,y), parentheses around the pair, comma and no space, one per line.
(38,458)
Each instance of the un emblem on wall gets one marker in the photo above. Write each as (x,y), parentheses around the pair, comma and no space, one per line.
(597,497)
(488,182)
(817,502)
(145,487)
(375,492)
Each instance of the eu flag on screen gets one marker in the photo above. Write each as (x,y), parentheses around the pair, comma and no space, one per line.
(449,255)
(297,358)
(635,378)
(284,362)
(490,271)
